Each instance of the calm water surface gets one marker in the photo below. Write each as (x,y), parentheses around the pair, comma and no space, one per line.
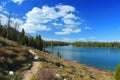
(104,58)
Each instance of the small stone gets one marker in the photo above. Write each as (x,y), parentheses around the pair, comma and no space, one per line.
(57,75)
(11,72)
(61,66)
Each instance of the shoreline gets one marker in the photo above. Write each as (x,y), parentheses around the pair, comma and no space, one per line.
(100,69)
(48,52)
(71,69)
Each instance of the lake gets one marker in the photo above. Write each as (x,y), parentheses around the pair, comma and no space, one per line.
(104,58)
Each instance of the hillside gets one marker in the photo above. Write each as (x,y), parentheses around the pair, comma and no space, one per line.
(14,57)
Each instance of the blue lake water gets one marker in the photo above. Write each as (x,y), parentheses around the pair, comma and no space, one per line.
(104,58)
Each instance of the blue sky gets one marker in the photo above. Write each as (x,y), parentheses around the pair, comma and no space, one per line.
(66,20)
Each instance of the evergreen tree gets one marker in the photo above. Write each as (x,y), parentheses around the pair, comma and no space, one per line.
(21,37)
(58,54)
(41,43)
(38,42)
(117,72)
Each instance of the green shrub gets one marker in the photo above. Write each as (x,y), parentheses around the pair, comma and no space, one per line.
(33,78)
(58,54)
(117,72)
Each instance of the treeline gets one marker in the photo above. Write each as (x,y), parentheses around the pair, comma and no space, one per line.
(55,43)
(97,44)
(21,37)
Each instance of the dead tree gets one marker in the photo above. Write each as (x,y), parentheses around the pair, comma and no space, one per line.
(16,26)
(0,19)
(8,24)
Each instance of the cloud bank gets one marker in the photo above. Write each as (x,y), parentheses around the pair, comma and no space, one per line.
(47,18)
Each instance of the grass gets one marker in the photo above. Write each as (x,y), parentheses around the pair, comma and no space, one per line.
(71,70)
(13,57)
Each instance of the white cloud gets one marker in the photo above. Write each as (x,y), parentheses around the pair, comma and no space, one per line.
(17,1)
(92,37)
(37,15)
(57,24)
(51,39)
(70,16)
(62,33)
(70,19)
(33,28)
(61,39)
(69,22)
(65,8)
(77,30)
(68,31)
(88,28)
(4,19)
(43,18)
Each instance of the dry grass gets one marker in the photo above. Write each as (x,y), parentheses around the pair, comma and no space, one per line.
(13,57)
(71,70)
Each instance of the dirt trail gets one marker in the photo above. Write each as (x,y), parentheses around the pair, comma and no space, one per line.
(36,64)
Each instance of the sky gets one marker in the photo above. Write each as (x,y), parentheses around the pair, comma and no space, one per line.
(65,20)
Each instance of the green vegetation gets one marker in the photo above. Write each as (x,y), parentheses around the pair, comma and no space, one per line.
(117,72)
(58,54)
(54,68)
(97,44)
(13,57)
(55,43)
(21,38)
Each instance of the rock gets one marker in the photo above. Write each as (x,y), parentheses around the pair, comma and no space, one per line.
(11,73)
(61,66)
(57,75)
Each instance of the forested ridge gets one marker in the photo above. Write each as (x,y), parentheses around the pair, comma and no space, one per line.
(97,44)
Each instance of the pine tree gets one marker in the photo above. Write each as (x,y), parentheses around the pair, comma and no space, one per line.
(21,37)
(117,72)
(58,54)
(38,42)
(41,42)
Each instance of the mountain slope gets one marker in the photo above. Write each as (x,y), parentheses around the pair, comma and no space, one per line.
(13,57)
